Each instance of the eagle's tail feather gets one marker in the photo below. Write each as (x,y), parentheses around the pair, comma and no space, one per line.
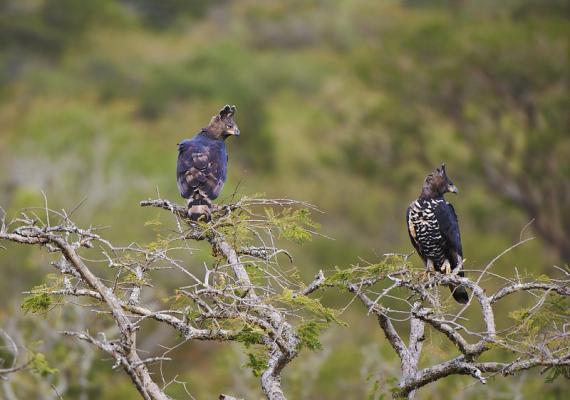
(199,207)
(459,293)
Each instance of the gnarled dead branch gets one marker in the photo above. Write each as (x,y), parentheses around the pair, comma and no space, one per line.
(243,296)
(545,346)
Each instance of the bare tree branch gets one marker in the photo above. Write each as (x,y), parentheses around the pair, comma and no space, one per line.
(226,304)
(550,349)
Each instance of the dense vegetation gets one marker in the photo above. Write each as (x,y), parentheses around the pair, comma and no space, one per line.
(343,104)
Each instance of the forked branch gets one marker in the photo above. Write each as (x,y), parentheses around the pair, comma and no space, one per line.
(425,309)
(224,304)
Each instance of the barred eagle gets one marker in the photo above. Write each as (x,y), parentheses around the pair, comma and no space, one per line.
(202,163)
(434,229)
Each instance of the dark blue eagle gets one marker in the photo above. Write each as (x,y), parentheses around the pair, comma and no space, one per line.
(203,161)
(434,229)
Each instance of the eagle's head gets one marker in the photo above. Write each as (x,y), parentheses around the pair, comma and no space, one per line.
(222,125)
(437,183)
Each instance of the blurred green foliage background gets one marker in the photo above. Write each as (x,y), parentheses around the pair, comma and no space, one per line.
(346,104)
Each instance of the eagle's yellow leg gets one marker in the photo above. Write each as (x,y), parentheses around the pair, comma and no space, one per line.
(429,270)
(446,267)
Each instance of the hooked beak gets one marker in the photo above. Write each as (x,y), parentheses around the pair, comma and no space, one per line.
(234,132)
(452,188)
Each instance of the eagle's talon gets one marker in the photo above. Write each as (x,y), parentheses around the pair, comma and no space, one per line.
(446,267)
(426,275)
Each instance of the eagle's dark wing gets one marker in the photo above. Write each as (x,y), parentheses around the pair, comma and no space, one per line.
(449,229)
(202,165)
(412,233)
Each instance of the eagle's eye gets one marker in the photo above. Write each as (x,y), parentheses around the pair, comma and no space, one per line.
(228,126)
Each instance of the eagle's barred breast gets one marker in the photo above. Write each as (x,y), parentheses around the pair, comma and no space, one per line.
(423,222)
